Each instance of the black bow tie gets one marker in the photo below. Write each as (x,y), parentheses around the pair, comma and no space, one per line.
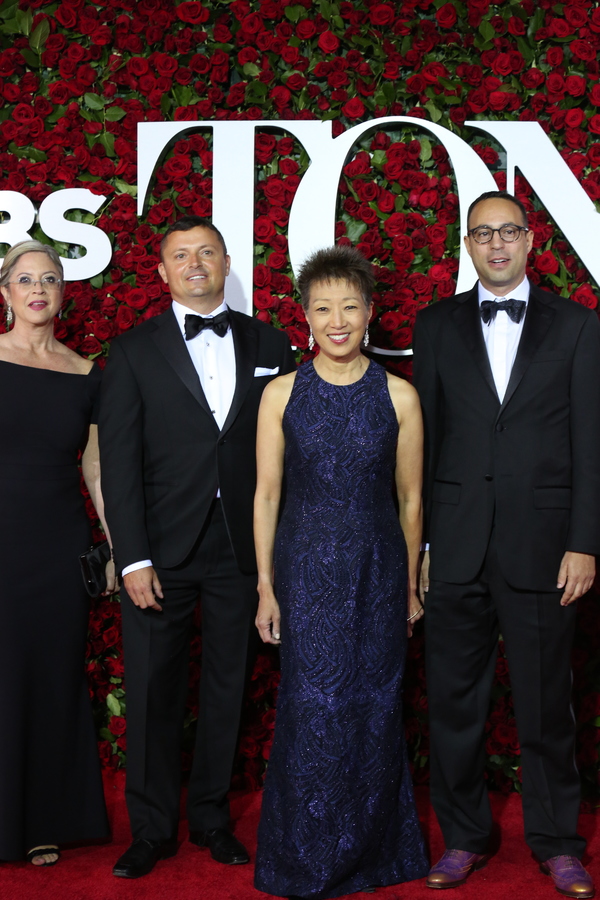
(514,308)
(195,324)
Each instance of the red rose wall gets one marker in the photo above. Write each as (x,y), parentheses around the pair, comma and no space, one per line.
(75,79)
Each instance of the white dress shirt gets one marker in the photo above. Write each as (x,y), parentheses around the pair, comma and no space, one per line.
(502,335)
(214,360)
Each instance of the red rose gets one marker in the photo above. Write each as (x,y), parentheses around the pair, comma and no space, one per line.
(546,263)
(277,260)
(594,124)
(66,15)
(395,224)
(583,50)
(328,42)
(594,94)
(353,109)
(125,318)
(117,725)
(192,12)
(90,345)
(298,337)
(306,29)
(554,56)
(264,229)
(382,14)
(575,85)
(585,295)
(281,97)
(446,16)
(516,26)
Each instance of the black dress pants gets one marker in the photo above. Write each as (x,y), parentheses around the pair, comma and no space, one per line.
(462,625)
(156,650)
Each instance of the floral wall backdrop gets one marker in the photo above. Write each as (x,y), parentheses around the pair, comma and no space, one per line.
(75,79)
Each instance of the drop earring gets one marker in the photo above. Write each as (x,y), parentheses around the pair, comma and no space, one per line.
(9,315)
(311,339)
(366,337)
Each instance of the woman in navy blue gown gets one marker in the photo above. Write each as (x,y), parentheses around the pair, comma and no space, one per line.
(338,808)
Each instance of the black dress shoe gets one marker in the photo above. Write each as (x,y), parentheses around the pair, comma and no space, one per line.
(223,846)
(142,856)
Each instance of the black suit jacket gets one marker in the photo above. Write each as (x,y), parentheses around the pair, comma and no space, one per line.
(530,467)
(162,454)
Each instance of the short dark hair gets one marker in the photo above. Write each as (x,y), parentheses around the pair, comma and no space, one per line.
(339,263)
(497,195)
(186,223)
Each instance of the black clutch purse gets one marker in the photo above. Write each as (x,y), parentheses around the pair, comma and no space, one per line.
(93,568)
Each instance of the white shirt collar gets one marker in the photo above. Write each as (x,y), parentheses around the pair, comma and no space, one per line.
(182,311)
(521,292)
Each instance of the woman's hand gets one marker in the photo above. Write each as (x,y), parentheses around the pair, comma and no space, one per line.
(112,582)
(415,611)
(268,617)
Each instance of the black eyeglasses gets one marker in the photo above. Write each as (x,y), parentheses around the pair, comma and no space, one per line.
(509,233)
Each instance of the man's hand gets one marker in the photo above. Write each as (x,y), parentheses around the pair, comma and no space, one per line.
(268,618)
(576,576)
(424,576)
(143,587)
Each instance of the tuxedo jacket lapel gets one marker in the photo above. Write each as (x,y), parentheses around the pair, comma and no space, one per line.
(468,322)
(245,342)
(538,319)
(170,342)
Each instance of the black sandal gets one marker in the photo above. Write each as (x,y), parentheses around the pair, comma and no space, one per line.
(43,851)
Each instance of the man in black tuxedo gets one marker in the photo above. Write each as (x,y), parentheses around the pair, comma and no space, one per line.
(177,435)
(509,380)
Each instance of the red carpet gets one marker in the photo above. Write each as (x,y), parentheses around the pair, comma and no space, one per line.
(85,873)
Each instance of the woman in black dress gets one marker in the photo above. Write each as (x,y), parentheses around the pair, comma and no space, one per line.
(50,782)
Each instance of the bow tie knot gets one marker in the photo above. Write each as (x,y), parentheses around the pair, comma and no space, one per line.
(195,324)
(515,309)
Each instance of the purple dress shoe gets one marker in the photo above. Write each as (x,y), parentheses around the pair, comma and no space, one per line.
(569,876)
(454,867)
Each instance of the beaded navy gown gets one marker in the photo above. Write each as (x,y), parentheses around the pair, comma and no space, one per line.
(50,780)
(338,810)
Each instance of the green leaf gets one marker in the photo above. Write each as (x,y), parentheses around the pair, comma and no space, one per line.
(108,142)
(10,27)
(32,59)
(24,19)
(165,104)
(536,22)
(97,281)
(256,92)
(27,153)
(525,49)
(124,188)
(93,101)
(40,36)
(251,70)
(295,13)
(379,158)
(114,114)
(113,705)
(433,111)
(425,150)
(8,9)
(487,31)
(56,114)
(354,229)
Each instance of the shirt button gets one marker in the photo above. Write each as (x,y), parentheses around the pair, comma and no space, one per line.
(499,427)
(489,477)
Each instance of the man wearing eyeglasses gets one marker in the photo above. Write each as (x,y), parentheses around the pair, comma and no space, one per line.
(509,380)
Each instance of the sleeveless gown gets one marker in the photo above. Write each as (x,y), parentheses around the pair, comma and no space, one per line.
(50,781)
(338,811)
